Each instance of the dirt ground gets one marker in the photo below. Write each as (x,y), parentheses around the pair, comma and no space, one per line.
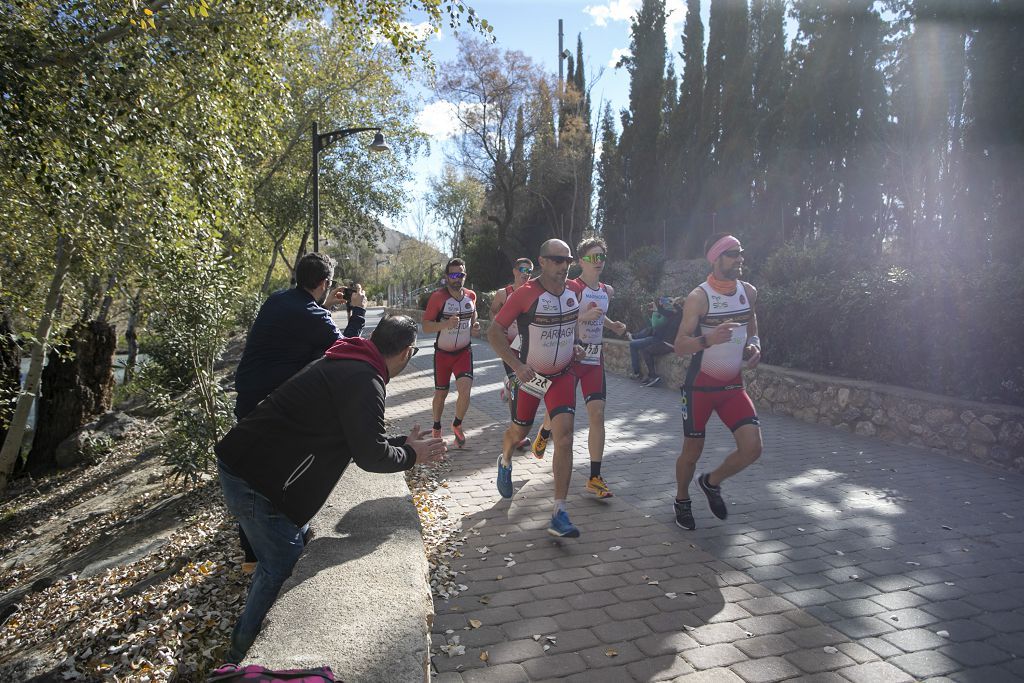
(111,571)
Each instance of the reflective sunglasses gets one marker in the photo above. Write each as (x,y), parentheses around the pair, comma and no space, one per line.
(560,259)
(525,269)
(595,258)
(733,253)
(456,276)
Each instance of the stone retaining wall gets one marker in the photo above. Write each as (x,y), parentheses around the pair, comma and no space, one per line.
(992,434)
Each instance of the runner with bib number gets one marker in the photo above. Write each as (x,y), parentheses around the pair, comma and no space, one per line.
(545,311)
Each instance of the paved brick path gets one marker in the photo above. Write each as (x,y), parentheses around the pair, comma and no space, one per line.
(843,557)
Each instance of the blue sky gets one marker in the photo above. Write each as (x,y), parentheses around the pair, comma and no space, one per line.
(531,26)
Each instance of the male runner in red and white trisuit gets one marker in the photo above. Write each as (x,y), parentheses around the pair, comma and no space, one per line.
(521,272)
(451,313)
(546,311)
(592,252)
(719,328)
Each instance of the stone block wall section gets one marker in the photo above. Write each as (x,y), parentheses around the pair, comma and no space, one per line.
(991,434)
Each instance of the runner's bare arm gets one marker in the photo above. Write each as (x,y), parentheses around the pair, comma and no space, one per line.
(752,353)
(615,326)
(497,302)
(497,337)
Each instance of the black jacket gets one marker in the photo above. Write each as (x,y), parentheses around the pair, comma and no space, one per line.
(294,447)
(666,332)
(290,331)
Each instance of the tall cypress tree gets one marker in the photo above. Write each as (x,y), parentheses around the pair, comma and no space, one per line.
(734,154)
(641,134)
(684,176)
(610,214)
(768,49)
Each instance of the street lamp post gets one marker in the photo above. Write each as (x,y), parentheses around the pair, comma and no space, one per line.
(323,141)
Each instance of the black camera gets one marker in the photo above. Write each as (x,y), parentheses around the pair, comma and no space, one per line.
(347,293)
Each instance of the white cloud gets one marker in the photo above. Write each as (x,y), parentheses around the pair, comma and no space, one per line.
(623,11)
(615,10)
(438,120)
(675,15)
(423,30)
(617,53)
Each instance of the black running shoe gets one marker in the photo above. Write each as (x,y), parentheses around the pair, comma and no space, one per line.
(684,515)
(714,494)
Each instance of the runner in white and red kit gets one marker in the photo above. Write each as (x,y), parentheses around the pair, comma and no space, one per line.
(719,328)
(593,253)
(546,311)
(451,313)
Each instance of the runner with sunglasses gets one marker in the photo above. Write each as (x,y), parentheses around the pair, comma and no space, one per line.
(546,312)
(719,328)
(590,370)
(451,313)
(521,272)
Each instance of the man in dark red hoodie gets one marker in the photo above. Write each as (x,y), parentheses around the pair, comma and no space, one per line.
(279,464)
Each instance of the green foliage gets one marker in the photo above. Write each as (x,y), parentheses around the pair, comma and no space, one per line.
(490,269)
(483,303)
(424,297)
(928,328)
(647,265)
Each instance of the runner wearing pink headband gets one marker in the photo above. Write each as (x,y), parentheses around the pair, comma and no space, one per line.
(725,244)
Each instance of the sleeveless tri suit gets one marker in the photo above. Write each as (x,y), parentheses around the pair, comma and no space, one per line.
(453,353)
(714,380)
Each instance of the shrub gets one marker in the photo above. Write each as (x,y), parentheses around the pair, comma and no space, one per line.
(938,329)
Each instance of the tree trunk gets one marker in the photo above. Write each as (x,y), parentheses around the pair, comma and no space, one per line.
(75,387)
(132,337)
(16,433)
(10,372)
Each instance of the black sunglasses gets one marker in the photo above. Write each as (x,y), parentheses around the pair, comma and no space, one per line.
(415,350)
(560,259)
(733,253)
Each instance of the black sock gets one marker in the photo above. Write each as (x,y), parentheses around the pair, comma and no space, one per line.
(456,422)
(545,433)
(437,425)
(595,469)
(682,500)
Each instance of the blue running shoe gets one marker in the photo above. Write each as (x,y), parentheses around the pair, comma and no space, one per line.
(561,526)
(504,479)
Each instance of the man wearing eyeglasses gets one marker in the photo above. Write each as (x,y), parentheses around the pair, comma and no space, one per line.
(719,328)
(279,465)
(546,311)
(292,329)
(451,314)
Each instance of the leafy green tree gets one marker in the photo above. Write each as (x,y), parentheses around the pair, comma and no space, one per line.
(454,200)
(494,91)
(135,130)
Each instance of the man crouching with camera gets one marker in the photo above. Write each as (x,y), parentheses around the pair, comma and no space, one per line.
(279,464)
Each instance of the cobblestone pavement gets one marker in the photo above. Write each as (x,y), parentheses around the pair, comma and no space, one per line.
(844,558)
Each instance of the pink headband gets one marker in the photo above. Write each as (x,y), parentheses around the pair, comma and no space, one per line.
(721,246)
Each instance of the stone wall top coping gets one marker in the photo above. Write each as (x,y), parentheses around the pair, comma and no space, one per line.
(837,381)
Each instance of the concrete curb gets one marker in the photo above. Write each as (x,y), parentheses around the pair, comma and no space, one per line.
(359,598)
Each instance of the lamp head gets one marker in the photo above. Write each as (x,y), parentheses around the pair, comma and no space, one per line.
(378,144)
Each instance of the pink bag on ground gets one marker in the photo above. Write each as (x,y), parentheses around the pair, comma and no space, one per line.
(231,673)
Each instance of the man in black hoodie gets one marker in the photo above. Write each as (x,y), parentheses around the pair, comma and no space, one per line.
(279,464)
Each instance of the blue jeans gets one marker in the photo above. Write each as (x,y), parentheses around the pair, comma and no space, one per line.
(277,542)
(638,345)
